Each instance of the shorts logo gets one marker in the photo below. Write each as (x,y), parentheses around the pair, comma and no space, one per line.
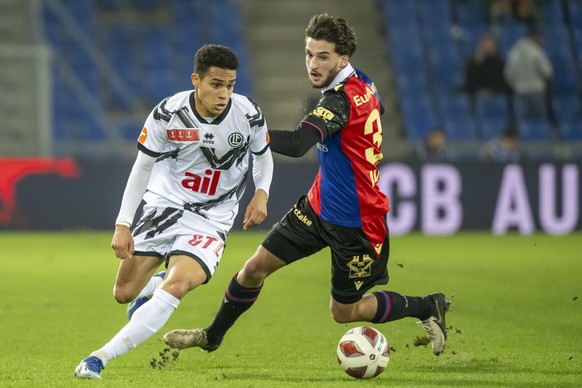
(302,217)
(183,134)
(235,140)
(360,267)
(378,248)
(323,113)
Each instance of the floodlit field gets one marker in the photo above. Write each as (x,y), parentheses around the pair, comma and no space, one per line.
(516,316)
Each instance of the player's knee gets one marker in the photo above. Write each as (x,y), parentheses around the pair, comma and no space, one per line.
(255,270)
(123,294)
(179,287)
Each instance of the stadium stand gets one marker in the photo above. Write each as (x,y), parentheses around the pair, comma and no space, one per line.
(429,40)
(113,60)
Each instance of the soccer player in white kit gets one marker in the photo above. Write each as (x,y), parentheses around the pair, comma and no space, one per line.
(191,172)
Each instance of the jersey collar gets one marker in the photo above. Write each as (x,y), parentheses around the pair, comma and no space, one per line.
(201,119)
(341,76)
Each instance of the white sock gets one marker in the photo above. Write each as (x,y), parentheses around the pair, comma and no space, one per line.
(145,322)
(152,285)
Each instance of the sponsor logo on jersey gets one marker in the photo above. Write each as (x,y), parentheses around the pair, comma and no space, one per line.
(183,134)
(325,114)
(206,184)
(235,139)
(143,135)
(362,99)
(208,138)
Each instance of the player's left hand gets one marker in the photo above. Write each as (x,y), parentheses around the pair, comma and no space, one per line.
(256,210)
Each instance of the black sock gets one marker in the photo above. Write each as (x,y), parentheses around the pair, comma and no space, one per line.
(237,300)
(393,306)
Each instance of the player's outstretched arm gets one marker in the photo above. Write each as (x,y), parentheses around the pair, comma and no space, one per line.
(294,143)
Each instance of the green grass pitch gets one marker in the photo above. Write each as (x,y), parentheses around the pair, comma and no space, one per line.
(516,316)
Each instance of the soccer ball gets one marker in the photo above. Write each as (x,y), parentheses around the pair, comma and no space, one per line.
(363,352)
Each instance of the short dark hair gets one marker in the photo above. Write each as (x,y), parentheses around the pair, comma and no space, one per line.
(214,55)
(511,130)
(334,30)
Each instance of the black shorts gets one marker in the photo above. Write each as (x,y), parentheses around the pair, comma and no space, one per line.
(355,269)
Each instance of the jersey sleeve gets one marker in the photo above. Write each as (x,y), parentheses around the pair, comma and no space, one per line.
(331,113)
(153,139)
(259,141)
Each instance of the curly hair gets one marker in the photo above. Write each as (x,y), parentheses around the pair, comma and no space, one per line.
(334,30)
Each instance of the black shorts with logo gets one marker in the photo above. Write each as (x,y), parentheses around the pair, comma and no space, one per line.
(301,233)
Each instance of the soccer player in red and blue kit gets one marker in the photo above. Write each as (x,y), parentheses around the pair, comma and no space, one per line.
(344,209)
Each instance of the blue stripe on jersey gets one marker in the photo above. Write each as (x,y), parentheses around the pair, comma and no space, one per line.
(339,199)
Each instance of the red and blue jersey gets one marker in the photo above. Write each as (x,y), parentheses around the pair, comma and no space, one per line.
(345,191)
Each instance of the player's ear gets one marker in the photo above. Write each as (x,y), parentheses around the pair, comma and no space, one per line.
(344,61)
(195,79)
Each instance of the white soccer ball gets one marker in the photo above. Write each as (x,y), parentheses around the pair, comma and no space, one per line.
(363,352)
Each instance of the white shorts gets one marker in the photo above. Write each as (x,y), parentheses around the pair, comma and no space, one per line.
(163,232)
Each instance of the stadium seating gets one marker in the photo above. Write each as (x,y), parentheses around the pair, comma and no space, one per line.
(429,42)
(109,5)
(419,115)
(535,129)
(508,34)
(571,131)
(126,65)
(491,109)
(458,121)
(492,127)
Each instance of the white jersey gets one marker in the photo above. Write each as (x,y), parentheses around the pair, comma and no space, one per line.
(202,166)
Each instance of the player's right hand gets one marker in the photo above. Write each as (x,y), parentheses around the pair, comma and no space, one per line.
(122,242)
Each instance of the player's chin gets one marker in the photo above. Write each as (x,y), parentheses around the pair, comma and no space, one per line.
(318,84)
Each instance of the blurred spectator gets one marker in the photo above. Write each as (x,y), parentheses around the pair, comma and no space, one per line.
(529,73)
(434,147)
(484,69)
(505,148)
(507,11)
